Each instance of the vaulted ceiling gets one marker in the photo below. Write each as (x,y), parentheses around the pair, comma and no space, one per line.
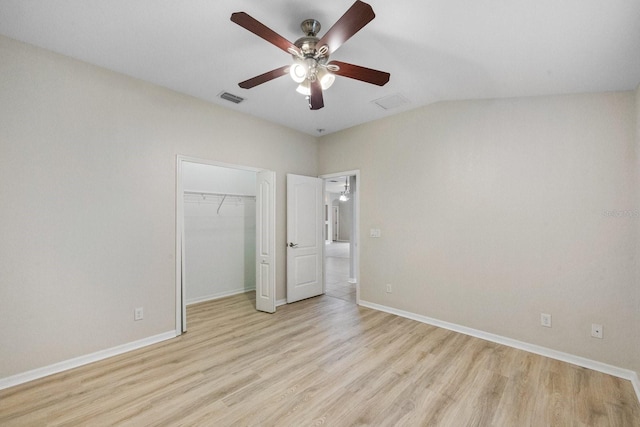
(435,50)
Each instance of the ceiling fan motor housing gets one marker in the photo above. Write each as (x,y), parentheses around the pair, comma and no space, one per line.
(308,43)
(311,57)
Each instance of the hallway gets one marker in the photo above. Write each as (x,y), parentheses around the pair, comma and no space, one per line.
(337,272)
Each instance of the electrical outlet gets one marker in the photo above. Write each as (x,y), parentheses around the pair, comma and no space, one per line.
(389,289)
(545,320)
(596,330)
(138,313)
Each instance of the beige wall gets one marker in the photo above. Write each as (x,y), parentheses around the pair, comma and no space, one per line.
(491,211)
(87,190)
(494,211)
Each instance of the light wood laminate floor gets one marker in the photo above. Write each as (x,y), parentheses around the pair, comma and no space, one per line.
(321,361)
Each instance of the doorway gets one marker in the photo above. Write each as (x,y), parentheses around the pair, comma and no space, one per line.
(341,268)
(225,223)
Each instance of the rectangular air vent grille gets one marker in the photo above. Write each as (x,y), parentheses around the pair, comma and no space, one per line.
(391,102)
(231,97)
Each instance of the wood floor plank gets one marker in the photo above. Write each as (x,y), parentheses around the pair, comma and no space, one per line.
(321,361)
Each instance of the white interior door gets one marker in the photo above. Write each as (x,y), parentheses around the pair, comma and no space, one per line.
(265,242)
(304,237)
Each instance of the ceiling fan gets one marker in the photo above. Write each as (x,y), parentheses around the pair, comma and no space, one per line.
(311,67)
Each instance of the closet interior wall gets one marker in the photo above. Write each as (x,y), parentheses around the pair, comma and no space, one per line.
(219,230)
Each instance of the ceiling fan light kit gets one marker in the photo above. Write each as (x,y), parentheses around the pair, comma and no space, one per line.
(311,68)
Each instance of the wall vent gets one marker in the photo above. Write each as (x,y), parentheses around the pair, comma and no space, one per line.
(231,97)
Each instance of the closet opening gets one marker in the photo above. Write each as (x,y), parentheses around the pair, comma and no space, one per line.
(219,225)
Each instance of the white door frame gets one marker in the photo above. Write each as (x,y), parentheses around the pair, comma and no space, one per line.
(181,310)
(356,224)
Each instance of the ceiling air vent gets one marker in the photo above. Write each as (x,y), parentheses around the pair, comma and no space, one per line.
(391,102)
(231,97)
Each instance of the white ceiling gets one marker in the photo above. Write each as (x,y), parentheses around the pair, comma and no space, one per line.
(335,184)
(434,49)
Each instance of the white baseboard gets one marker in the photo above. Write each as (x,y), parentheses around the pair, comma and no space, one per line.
(82,360)
(626,374)
(281,302)
(219,295)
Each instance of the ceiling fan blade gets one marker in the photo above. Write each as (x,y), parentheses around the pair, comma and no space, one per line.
(261,30)
(367,75)
(263,78)
(316,100)
(358,15)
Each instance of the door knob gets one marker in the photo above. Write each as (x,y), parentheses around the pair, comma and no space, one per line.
(292,245)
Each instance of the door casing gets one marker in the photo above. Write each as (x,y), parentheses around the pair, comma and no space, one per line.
(355,253)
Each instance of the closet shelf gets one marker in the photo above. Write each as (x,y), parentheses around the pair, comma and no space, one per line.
(206,193)
(224,196)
